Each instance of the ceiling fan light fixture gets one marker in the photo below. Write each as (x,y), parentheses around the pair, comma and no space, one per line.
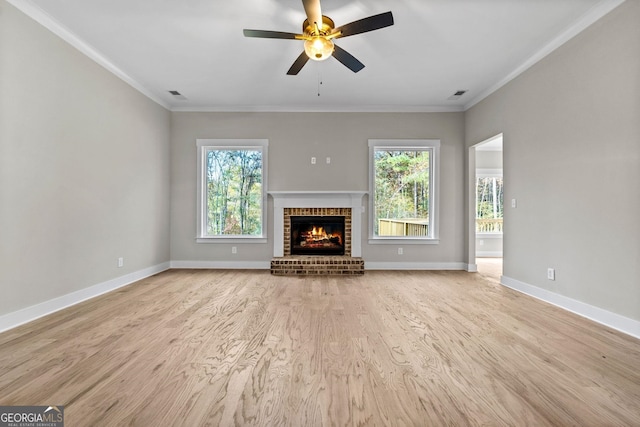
(318,48)
(318,32)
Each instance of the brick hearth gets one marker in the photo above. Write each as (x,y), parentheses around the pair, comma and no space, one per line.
(300,265)
(317,203)
(317,265)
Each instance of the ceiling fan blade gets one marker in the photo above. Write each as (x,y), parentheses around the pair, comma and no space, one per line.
(264,34)
(371,23)
(298,64)
(347,59)
(314,11)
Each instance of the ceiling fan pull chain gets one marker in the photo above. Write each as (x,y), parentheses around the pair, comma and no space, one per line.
(319,83)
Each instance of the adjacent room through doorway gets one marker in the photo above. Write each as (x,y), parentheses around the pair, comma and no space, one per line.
(489,205)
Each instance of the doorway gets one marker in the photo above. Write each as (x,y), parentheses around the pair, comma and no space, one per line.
(487,205)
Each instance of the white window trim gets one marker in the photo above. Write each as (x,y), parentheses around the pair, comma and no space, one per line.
(230,144)
(434,185)
(497,235)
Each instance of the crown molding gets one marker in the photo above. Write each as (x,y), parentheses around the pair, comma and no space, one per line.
(44,19)
(591,16)
(319,109)
(41,17)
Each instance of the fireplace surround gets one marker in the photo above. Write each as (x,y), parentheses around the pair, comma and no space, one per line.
(317,204)
(302,213)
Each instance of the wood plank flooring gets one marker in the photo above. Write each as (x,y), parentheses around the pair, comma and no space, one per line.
(200,347)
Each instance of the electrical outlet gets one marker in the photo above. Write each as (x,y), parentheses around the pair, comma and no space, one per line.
(120,262)
(313,160)
(328,160)
(234,249)
(514,203)
(400,251)
(551,274)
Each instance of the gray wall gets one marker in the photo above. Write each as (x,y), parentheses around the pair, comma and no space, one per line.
(572,160)
(293,139)
(84,169)
(86,163)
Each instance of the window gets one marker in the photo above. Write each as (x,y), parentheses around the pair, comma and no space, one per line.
(231,189)
(489,201)
(403,190)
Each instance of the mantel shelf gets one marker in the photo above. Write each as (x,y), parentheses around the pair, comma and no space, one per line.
(277,194)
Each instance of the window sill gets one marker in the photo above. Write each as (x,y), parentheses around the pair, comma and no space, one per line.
(234,239)
(402,241)
(489,235)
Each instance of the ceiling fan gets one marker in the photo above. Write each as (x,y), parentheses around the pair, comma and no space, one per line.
(318,33)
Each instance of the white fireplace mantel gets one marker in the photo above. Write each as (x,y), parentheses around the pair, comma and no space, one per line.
(317,199)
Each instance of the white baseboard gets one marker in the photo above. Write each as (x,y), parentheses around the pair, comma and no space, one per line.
(28,314)
(368,265)
(472,268)
(266,265)
(224,265)
(599,315)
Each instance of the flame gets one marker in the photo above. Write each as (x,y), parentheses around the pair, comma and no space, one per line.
(317,234)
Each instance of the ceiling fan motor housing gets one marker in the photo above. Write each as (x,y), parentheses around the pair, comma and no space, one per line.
(318,36)
(319,47)
(321,29)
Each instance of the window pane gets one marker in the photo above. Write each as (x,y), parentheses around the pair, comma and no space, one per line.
(489,204)
(402,192)
(233,192)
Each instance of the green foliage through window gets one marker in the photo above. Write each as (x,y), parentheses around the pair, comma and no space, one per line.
(402,193)
(489,197)
(489,204)
(233,192)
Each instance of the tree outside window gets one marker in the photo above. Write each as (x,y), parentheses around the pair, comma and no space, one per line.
(403,188)
(232,192)
(489,204)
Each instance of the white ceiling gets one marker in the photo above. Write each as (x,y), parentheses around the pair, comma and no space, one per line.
(435,48)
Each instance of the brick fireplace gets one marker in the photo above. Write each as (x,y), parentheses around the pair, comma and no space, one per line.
(300,213)
(316,205)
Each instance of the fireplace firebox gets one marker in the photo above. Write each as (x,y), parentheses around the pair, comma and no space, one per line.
(317,235)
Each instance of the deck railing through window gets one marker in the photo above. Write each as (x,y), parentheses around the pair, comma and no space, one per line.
(488,225)
(416,227)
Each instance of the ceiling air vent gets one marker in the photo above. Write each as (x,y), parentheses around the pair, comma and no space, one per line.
(457,95)
(178,95)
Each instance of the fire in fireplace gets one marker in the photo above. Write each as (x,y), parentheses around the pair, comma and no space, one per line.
(317,235)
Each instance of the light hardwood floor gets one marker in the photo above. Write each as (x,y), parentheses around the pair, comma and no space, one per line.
(197,347)
(490,268)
